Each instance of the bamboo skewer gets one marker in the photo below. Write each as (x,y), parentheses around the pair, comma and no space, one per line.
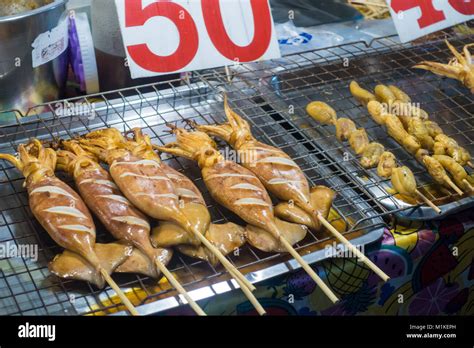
(427,201)
(174,282)
(470,164)
(448,180)
(230,267)
(468,185)
(309,270)
(251,297)
(244,284)
(119,292)
(352,248)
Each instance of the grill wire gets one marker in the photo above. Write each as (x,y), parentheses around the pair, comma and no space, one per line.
(272,96)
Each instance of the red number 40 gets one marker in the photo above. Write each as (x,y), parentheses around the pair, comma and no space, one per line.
(136,15)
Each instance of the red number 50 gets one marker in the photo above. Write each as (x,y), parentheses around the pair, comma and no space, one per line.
(136,16)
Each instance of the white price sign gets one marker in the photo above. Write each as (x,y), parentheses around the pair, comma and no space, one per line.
(163,37)
(417,18)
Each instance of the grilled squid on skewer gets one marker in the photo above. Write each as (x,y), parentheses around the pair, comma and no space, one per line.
(60,210)
(460,67)
(104,199)
(459,174)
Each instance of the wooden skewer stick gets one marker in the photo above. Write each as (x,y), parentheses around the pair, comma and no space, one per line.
(309,270)
(115,287)
(427,201)
(448,180)
(174,282)
(244,284)
(251,297)
(470,164)
(231,268)
(468,185)
(360,255)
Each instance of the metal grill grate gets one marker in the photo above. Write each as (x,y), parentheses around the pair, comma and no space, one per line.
(26,287)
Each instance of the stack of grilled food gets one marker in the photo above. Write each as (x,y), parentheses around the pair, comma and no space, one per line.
(444,159)
(137,188)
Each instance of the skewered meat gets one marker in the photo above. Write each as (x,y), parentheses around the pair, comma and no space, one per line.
(102,196)
(344,128)
(358,140)
(371,155)
(438,173)
(396,130)
(230,184)
(433,128)
(403,181)
(321,112)
(417,128)
(377,111)
(321,198)
(399,94)
(386,164)
(439,148)
(59,209)
(420,154)
(69,265)
(460,176)
(460,67)
(449,146)
(362,95)
(384,94)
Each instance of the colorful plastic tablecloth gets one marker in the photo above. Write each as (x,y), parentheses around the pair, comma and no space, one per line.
(431,266)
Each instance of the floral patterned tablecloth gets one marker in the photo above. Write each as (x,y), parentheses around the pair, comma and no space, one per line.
(431,266)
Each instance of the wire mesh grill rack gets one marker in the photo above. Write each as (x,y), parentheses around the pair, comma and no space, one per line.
(26,287)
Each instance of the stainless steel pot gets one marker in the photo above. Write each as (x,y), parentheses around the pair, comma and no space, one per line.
(21,84)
